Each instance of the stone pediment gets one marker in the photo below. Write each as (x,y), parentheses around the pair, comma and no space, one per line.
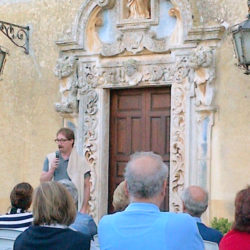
(109,27)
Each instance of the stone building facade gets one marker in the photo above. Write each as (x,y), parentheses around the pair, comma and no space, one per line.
(80,51)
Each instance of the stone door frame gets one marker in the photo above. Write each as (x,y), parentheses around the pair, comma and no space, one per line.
(189,68)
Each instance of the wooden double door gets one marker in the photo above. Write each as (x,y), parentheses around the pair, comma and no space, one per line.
(139,121)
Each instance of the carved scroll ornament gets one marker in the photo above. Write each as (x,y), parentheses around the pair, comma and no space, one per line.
(177,144)
(90,142)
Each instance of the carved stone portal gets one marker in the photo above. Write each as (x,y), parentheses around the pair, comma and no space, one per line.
(123,44)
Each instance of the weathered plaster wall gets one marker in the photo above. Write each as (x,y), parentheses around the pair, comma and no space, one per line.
(231,134)
(28,90)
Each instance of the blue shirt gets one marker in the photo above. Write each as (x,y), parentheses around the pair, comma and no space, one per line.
(84,223)
(142,226)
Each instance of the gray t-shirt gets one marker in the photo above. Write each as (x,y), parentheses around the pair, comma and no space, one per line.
(61,171)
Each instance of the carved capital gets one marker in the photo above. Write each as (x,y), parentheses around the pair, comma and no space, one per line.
(202,75)
(65,66)
(66,70)
(88,77)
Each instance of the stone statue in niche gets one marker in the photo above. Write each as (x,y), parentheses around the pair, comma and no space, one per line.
(132,75)
(138,9)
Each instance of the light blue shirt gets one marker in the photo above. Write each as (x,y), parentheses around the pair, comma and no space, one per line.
(143,227)
(197,219)
(84,223)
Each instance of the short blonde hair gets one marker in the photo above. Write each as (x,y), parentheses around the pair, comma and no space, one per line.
(53,204)
(120,198)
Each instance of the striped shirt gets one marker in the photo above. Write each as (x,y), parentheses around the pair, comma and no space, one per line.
(19,221)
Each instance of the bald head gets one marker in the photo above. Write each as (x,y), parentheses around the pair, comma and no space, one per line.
(145,174)
(144,165)
(195,200)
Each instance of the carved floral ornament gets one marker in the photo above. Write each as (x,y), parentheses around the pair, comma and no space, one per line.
(129,73)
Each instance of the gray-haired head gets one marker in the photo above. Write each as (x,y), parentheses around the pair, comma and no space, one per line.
(145,174)
(70,186)
(195,200)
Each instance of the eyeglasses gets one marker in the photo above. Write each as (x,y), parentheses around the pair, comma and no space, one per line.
(61,140)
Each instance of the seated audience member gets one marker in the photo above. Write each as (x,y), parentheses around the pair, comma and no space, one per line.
(83,223)
(18,217)
(141,225)
(53,211)
(120,198)
(239,237)
(195,203)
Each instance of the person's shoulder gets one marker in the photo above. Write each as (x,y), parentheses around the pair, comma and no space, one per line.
(49,155)
(24,234)
(3,216)
(209,229)
(78,234)
(27,214)
(106,219)
(180,219)
(19,216)
(177,216)
(80,238)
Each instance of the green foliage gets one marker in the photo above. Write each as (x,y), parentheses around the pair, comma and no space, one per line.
(221,224)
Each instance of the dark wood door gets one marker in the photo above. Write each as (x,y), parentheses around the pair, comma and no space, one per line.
(139,121)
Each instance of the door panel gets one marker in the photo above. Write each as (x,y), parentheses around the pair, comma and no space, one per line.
(139,121)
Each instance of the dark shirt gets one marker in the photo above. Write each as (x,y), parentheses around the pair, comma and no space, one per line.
(208,233)
(50,238)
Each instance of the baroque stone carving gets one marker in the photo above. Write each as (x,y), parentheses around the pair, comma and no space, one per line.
(202,75)
(201,78)
(153,73)
(133,76)
(135,42)
(89,99)
(90,145)
(66,70)
(177,146)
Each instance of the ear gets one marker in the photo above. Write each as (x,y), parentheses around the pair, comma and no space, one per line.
(164,186)
(126,188)
(184,208)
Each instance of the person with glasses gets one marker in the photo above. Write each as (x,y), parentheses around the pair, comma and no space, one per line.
(67,164)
